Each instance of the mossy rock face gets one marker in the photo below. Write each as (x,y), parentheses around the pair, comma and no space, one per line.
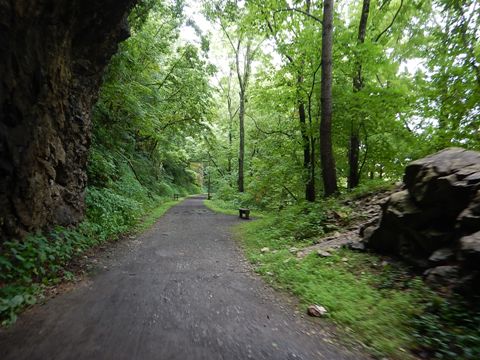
(438,211)
(53,57)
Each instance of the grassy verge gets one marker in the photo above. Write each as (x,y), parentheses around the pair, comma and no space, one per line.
(379,302)
(30,266)
(228,208)
(220,207)
(352,286)
(154,215)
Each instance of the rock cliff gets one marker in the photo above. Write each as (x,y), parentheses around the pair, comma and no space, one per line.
(53,54)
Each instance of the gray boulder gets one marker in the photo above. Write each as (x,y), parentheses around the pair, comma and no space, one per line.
(470,250)
(435,222)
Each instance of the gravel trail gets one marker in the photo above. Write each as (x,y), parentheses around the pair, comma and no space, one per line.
(182,290)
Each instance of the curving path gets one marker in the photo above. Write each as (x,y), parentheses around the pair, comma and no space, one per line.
(180,291)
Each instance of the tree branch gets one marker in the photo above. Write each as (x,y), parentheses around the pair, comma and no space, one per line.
(291,194)
(174,66)
(391,24)
(268,132)
(301,12)
(383,4)
(274,34)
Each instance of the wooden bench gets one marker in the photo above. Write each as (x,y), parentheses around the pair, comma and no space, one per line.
(175,196)
(244,213)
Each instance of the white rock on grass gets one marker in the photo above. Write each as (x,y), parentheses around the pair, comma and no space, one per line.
(323,253)
(316,311)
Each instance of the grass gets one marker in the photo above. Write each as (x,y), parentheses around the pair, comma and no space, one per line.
(220,207)
(225,207)
(156,213)
(378,302)
(372,302)
(352,286)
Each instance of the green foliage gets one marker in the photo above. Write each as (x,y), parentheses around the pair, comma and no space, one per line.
(36,261)
(10,306)
(369,187)
(154,104)
(350,285)
(383,305)
(297,223)
(111,213)
(401,113)
(38,256)
(448,329)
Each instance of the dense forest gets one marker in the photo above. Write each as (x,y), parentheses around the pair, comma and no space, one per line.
(290,109)
(404,83)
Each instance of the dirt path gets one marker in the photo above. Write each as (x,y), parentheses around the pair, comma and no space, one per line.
(180,291)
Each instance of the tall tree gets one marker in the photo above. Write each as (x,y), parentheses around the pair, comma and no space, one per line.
(243,79)
(230,16)
(296,59)
(329,174)
(231,116)
(354,146)
(454,62)
(232,110)
(308,140)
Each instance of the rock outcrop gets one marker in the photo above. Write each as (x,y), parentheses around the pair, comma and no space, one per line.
(434,222)
(53,54)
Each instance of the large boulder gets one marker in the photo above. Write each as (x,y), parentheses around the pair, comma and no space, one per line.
(434,223)
(470,250)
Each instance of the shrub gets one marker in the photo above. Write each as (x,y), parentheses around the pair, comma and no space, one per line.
(113,213)
(449,328)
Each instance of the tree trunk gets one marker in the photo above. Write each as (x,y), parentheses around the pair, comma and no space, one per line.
(307,158)
(231,115)
(241,150)
(353,158)
(230,137)
(326,149)
(311,185)
(230,140)
(243,83)
(354,148)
